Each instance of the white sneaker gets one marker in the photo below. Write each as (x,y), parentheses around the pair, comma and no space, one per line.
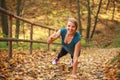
(55,61)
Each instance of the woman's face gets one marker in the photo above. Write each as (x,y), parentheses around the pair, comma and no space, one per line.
(71,28)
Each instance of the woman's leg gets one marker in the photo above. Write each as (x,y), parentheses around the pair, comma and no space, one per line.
(61,54)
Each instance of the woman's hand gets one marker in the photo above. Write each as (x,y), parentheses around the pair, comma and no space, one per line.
(54,36)
(73,76)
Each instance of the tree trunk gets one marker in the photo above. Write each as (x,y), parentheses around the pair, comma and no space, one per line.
(4,19)
(92,5)
(79,17)
(96,18)
(70,2)
(107,5)
(89,22)
(113,10)
(17,21)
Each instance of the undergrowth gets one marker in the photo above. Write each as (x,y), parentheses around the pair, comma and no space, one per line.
(116,41)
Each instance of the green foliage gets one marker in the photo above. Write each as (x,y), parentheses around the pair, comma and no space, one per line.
(116,42)
(57,41)
(114,60)
(25,45)
(19,45)
(84,43)
(117,58)
(55,47)
(104,44)
(3,45)
(40,46)
(118,74)
(3,35)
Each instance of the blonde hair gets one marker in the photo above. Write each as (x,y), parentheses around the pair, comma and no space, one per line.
(73,20)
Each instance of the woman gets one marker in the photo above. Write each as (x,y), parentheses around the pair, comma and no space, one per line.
(70,43)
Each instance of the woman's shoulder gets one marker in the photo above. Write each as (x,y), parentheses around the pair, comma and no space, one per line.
(63,30)
(78,35)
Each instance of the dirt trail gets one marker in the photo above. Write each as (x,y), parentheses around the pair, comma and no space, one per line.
(38,66)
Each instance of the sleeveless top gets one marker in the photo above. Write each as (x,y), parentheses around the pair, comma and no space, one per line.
(70,46)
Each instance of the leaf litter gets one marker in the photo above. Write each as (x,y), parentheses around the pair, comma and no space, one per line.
(94,64)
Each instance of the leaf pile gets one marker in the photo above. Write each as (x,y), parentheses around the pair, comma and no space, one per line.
(112,69)
(92,65)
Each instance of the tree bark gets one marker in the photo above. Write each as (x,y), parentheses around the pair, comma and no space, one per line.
(107,5)
(4,19)
(17,21)
(79,17)
(96,18)
(113,10)
(89,22)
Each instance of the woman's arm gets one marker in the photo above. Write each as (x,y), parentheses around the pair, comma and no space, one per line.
(75,59)
(53,37)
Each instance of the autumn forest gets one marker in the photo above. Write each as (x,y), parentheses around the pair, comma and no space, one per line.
(25,26)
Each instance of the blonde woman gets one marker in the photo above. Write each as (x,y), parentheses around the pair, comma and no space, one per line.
(70,43)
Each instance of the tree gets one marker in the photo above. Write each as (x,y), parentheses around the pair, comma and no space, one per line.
(17,21)
(4,19)
(96,19)
(79,17)
(89,21)
(107,5)
(113,10)
(114,6)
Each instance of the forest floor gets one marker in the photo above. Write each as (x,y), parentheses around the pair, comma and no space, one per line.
(94,64)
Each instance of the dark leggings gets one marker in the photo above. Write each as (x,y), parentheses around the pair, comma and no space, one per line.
(62,53)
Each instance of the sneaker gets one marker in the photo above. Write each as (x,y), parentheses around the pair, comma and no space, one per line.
(71,63)
(55,61)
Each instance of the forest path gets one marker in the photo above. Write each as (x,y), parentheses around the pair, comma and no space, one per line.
(37,66)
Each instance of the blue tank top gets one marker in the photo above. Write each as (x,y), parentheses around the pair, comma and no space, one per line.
(71,46)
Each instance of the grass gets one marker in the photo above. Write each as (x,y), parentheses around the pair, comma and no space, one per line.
(84,43)
(41,46)
(26,46)
(116,42)
(117,59)
(118,74)
(3,45)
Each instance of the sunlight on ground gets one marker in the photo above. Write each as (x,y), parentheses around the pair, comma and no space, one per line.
(108,16)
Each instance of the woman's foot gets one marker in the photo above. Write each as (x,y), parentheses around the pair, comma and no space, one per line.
(55,61)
